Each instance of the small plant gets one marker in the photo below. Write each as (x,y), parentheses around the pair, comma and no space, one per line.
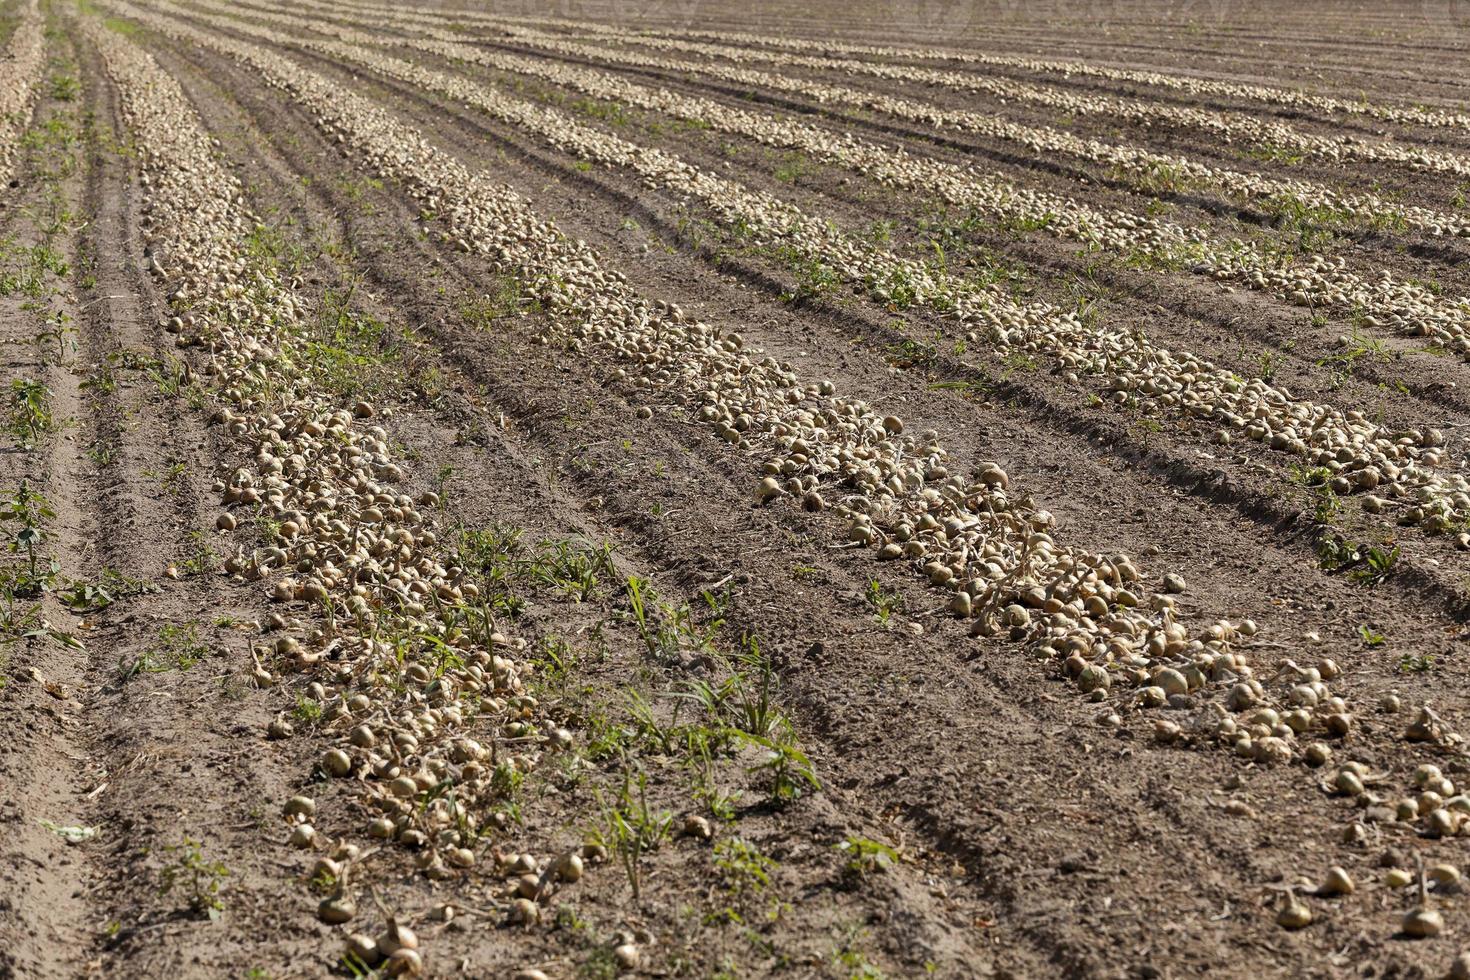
(198,878)
(791,169)
(507,302)
(1352,350)
(492,555)
(17,619)
(506,783)
(102,379)
(880,232)
(742,865)
(647,727)
(1145,428)
(974,389)
(667,629)
(1328,506)
(707,790)
(102,455)
(1018,362)
(850,960)
(441,484)
(86,597)
(172,479)
(82,596)
(646,619)
(168,375)
(866,856)
(1416,663)
(554,660)
(25,513)
(307,711)
(180,643)
(1370,637)
(751,704)
(569,568)
(630,828)
(605,740)
(178,648)
(909,353)
(60,331)
(785,766)
(815,279)
(201,559)
(30,416)
(1377,565)
(1370,564)
(1334,554)
(884,603)
(65,88)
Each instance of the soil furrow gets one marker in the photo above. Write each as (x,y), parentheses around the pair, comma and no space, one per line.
(1236,486)
(1010,844)
(516,506)
(612,512)
(47,768)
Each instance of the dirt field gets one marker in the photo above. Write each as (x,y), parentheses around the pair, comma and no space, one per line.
(706,490)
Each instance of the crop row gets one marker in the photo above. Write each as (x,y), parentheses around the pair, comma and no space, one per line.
(1432,803)
(1142,169)
(996,553)
(1292,714)
(416,684)
(1295,99)
(818,440)
(1270,136)
(993,549)
(1315,281)
(1361,454)
(20,68)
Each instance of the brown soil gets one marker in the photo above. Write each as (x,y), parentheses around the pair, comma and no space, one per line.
(1032,840)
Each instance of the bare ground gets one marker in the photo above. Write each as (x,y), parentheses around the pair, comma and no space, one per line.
(1031,840)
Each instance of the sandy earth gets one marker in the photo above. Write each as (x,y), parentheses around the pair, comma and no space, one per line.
(1019,836)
